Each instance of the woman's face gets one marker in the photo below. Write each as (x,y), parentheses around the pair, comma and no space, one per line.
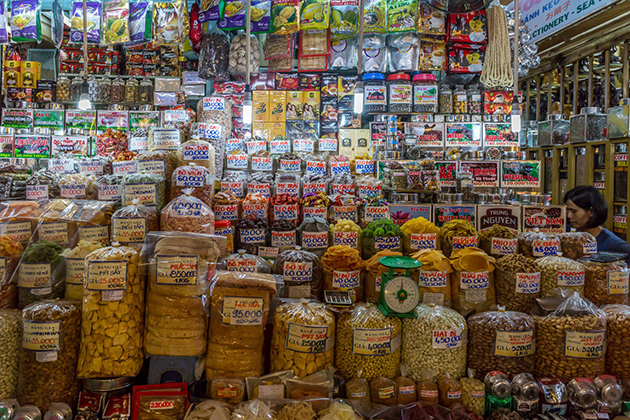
(578,217)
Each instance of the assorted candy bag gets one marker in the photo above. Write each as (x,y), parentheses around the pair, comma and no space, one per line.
(26,25)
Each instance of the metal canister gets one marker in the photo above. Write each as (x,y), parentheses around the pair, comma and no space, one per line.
(582,393)
(58,411)
(8,408)
(610,392)
(497,384)
(28,412)
(526,391)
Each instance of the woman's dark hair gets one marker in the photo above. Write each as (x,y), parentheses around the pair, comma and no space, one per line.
(589,198)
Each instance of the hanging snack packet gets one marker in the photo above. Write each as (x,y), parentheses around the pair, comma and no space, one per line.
(168,22)
(374,54)
(314,43)
(195,28)
(26,25)
(403,52)
(56,31)
(344,18)
(115,21)
(93,22)
(401,15)
(430,21)
(342,54)
(235,15)
(285,15)
(375,17)
(211,10)
(314,14)
(261,16)
(139,22)
(278,46)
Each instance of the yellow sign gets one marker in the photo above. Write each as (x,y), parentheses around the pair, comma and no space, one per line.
(177,270)
(107,275)
(41,336)
(513,343)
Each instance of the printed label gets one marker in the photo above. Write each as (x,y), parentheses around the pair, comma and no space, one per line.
(453,395)
(157,167)
(260,163)
(527,282)
(196,151)
(447,339)
(346,279)
(571,277)
(375,95)
(584,345)
(239,310)
(290,165)
(461,242)
(18,231)
(327,145)
(283,239)
(237,161)
(502,246)
(145,193)
(166,138)
(316,167)
(236,188)
(162,405)
(106,275)
(190,176)
(345,189)
(344,212)
(36,192)
(227,392)
(434,298)
(315,211)
(3,269)
(177,270)
(314,187)
(405,390)
(56,232)
(367,190)
(543,248)
(213,103)
(242,265)
(514,343)
(290,188)
(590,248)
(338,168)
(350,239)
(91,167)
(188,209)
(278,147)
(372,342)
(307,339)
(617,282)
(75,269)
(298,272)
(41,336)
(124,168)
(373,213)
(256,209)
(72,191)
(424,241)
(312,240)
(109,192)
(226,211)
(61,166)
(256,146)
(387,242)
(364,167)
(271,392)
(98,234)
(303,145)
(35,276)
(433,278)
(474,280)
(263,189)
(285,212)
(386,392)
(428,393)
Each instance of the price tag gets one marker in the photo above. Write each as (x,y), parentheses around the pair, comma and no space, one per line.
(423,241)
(364,166)
(327,145)
(338,168)
(461,242)
(546,247)
(447,339)
(502,246)
(124,168)
(527,282)
(238,310)
(242,265)
(571,278)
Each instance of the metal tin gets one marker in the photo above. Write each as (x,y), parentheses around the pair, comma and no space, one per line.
(590,110)
(621,210)
(58,411)
(609,389)
(390,154)
(483,198)
(497,384)
(446,198)
(582,392)
(145,108)
(118,107)
(459,198)
(109,385)
(402,198)
(8,408)
(525,386)
(28,412)
(474,155)
(514,155)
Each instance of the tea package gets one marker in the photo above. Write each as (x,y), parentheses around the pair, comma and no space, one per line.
(26,25)
(432,55)
(401,15)
(93,22)
(170,22)
(56,30)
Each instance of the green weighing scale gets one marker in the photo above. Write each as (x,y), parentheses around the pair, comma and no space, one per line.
(400,294)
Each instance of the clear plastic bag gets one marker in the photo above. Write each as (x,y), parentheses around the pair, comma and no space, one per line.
(538,244)
(313,235)
(456,235)
(383,391)
(577,244)
(160,162)
(517,282)
(355,330)
(379,235)
(472,281)
(252,232)
(302,273)
(10,251)
(373,273)
(148,188)
(75,268)
(199,152)
(235,343)
(228,390)
(405,388)
(559,272)
(473,395)
(238,55)
(197,178)
(114,283)
(41,273)
(187,214)
(78,186)
(302,331)
(214,55)
(180,266)
(571,340)
(358,388)
(344,271)
(11,332)
(243,262)
(617,339)
(436,339)
(48,183)
(606,278)
(48,371)
(317,385)
(419,233)
(498,240)
(131,223)
(434,277)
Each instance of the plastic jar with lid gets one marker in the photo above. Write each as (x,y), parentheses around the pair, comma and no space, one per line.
(460,100)
(425,93)
(103,90)
(118,90)
(76,88)
(63,89)
(146,91)
(92,88)
(131,90)
(399,88)
(375,92)
(475,105)
(445,100)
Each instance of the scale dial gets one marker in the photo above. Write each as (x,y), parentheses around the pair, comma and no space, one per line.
(401,294)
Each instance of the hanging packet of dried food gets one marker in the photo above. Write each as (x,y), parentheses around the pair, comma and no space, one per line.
(285,15)
(235,14)
(261,16)
(115,22)
(211,10)
(403,52)
(401,15)
(374,54)
(167,23)
(140,22)
(314,14)
(26,25)
(344,18)
(375,17)
(195,27)
(56,31)
(93,22)
(214,57)
(160,401)
(342,54)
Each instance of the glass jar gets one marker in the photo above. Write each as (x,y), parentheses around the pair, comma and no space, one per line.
(92,88)
(375,92)
(131,90)
(460,100)
(146,91)
(465,186)
(474,100)
(399,92)
(117,93)
(76,88)
(445,100)
(63,89)
(103,90)
(425,93)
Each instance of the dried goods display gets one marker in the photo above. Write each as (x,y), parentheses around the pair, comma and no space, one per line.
(435,340)
(344,271)
(11,331)
(383,391)
(148,188)
(556,271)
(111,143)
(498,240)
(10,251)
(374,271)
(301,272)
(41,273)
(538,244)
(606,278)
(501,340)
(571,341)
(187,214)
(114,284)
(75,267)
(252,232)
(355,348)
(346,232)
(47,183)
(197,152)
(457,235)
(405,388)
(238,55)
(419,234)
(130,224)
(517,282)
(236,336)
(472,280)
(473,395)
(433,277)
(575,245)
(449,390)
(617,335)
(303,338)
(313,235)
(48,372)
(379,235)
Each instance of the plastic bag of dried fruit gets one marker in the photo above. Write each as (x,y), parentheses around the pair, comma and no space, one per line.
(187,214)
(577,244)
(179,266)
(197,178)
(538,244)
(131,223)
(10,251)
(606,278)
(498,240)
(472,280)
(344,271)
(302,273)
(434,277)
(420,234)
(114,284)
(75,267)
(374,272)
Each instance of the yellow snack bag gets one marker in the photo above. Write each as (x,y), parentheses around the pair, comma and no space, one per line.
(285,16)
(260,99)
(277,105)
(314,14)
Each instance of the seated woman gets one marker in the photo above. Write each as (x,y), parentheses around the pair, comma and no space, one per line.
(587,211)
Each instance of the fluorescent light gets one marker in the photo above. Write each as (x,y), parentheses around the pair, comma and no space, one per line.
(358,98)
(516,120)
(84,102)
(248,106)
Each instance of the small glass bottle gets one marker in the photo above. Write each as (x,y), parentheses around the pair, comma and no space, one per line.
(146,91)
(118,90)
(460,100)
(474,100)
(131,90)
(445,100)
(76,88)
(63,89)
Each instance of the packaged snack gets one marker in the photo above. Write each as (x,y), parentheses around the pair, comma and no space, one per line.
(140,21)
(234,15)
(342,55)
(419,234)
(403,52)
(10,251)
(401,15)
(472,280)
(302,273)
(374,272)
(517,282)
(131,223)
(261,16)
(346,232)
(199,179)
(93,22)
(313,235)
(575,245)
(214,56)
(170,22)
(456,235)
(379,235)
(344,271)
(468,27)
(75,268)
(115,21)
(375,17)
(252,232)
(243,262)
(538,244)
(405,388)
(148,188)
(285,16)
(313,42)
(606,278)
(344,18)
(314,14)
(557,272)
(383,391)
(187,214)
(498,240)
(226,390)
(41,273)
(238,54)
(465,58)
(430,21)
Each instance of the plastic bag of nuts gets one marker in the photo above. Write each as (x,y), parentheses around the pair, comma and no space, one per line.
(571,341)
(355,349)
(501,340)
(473,395)
(538,244)
(10,251)
(48,368)
(517,282)
(187,214)
(436,340)
(433,277)
(557,272)
(617,339)
(577,244)
(606,278)
(302,273)
(131,223)
(238,54)
(303,338)
(11,333)
(498,240)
